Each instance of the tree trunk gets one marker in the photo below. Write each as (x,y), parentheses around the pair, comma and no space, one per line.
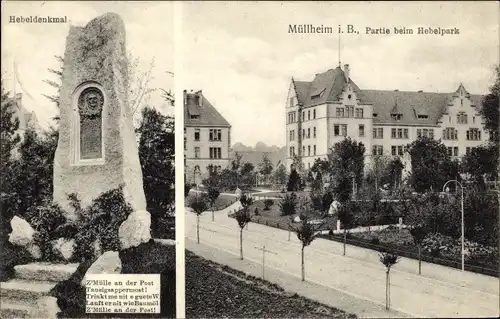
(303,269)
(213,219)
(419,261)
(345,239)
(198,228)
(241,243)
(387,290)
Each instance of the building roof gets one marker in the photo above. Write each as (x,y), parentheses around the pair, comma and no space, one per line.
(430,106)
(195,104)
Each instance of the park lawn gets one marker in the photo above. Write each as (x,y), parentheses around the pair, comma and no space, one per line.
(281,195)
(217,291)
(223,201)
(273,217)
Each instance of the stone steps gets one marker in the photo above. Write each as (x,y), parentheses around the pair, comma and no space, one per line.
(24,295)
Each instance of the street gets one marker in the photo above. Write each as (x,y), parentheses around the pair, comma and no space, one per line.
(439,292)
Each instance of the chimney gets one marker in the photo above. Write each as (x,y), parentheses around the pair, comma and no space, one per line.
(185,97)
(346,72)
(420,91)
(200,98)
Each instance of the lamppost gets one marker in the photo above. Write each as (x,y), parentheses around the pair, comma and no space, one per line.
(462,205)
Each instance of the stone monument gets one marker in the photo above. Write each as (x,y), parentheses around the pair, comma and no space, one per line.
(97,149)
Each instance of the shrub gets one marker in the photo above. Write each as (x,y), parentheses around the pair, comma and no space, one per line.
(268,203)
(289,204)
(256,211)
(375,241)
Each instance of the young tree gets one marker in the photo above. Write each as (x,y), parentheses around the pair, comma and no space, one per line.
(213,194)
(394,173)
(418,233)
(306,233)
(346,217)
(235,167)
(199,205)
(243,217)
(481,162)
(247,174)
(389,260)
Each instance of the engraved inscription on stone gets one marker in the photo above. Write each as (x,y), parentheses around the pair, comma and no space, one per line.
(90,104)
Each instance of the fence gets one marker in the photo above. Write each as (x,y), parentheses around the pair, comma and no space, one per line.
(480,269)
(408,254)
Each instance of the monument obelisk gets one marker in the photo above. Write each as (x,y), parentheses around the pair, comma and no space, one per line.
(97,149)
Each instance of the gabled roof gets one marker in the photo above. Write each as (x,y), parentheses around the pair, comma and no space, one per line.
(326,86)
(207,114)
(431,106)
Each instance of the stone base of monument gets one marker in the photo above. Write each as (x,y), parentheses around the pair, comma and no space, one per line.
(27,294)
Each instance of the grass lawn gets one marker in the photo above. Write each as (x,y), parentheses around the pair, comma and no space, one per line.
(147,258)
(280,194)
(273,216)
(217,291)
(223,201)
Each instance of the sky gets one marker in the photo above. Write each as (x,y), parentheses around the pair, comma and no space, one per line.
(149,36)
(243,58)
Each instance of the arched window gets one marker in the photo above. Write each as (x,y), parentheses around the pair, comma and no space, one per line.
(88,141)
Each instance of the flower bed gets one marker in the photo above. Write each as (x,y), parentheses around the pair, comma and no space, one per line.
(216,291)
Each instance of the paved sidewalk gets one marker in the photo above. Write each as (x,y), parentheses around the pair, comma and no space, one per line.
(324,295)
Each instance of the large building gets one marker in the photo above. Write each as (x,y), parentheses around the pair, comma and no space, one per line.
(207,138)
(331,107)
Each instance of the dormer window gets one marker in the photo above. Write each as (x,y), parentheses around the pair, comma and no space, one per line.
(462,118)
(422,116)
(349,96)
(195,117)
(317,94)
(396,117)
(375,114)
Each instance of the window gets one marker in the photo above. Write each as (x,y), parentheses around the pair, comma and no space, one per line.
(374,114)
(393,133)
(473,134)
(291,117)
(431,133)
(344,129)
(197,134)
(314,132)
(426,132)
(185,143)
(396,117)
(455,151)
(303,150)
(340,112)
(419,133)
(308,133)
(467,150)
(308,150)
(308,115)
(361,130)
(450,134)
(291,136)
(400,133)
(378,132)
(377,150)
(422,116)
(291,102)
(359,112)
(303,133)
(473,120)
(215,135)
(215,152)
(461,118)
(196,152)
(314,113)
(405,133)
(393,150)
(450,151)
(350,111)
(336,130)
(400,150)
(194,117)
(292,151)
(314,148)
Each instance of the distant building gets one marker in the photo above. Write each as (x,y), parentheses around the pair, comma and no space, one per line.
(207,137)
(331,107)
